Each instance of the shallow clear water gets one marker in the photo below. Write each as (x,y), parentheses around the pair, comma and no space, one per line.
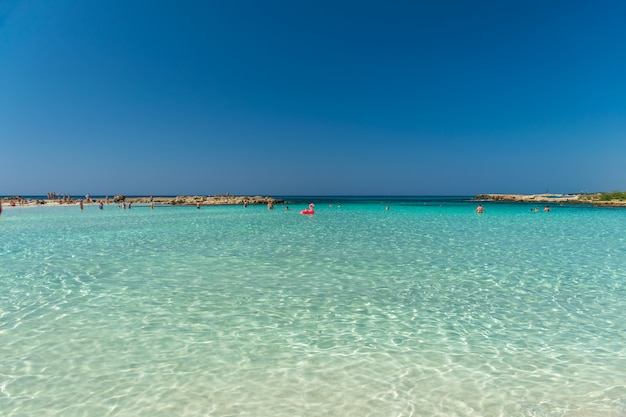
(427,309)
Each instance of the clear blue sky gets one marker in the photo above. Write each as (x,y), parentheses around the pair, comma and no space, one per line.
(312,97)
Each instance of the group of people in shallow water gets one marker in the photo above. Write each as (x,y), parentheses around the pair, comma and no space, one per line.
(480,209)
(64,198)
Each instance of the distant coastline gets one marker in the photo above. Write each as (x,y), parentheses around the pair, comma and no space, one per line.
(214,200)
(616,199)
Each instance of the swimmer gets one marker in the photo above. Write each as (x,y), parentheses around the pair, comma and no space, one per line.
(479,209)
(546,209)
(81,204)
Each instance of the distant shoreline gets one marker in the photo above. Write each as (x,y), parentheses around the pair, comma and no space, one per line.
(598,199)
(594,199)
(215,200)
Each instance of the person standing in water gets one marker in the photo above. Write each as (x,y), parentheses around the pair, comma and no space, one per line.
(479,209)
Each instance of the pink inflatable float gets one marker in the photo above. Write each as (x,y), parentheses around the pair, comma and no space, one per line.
(309,210)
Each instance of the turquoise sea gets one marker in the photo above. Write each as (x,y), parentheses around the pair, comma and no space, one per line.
(425,309)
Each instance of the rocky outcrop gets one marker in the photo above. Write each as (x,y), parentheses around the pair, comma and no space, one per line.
(593,199)
(214,200)
(531,198)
